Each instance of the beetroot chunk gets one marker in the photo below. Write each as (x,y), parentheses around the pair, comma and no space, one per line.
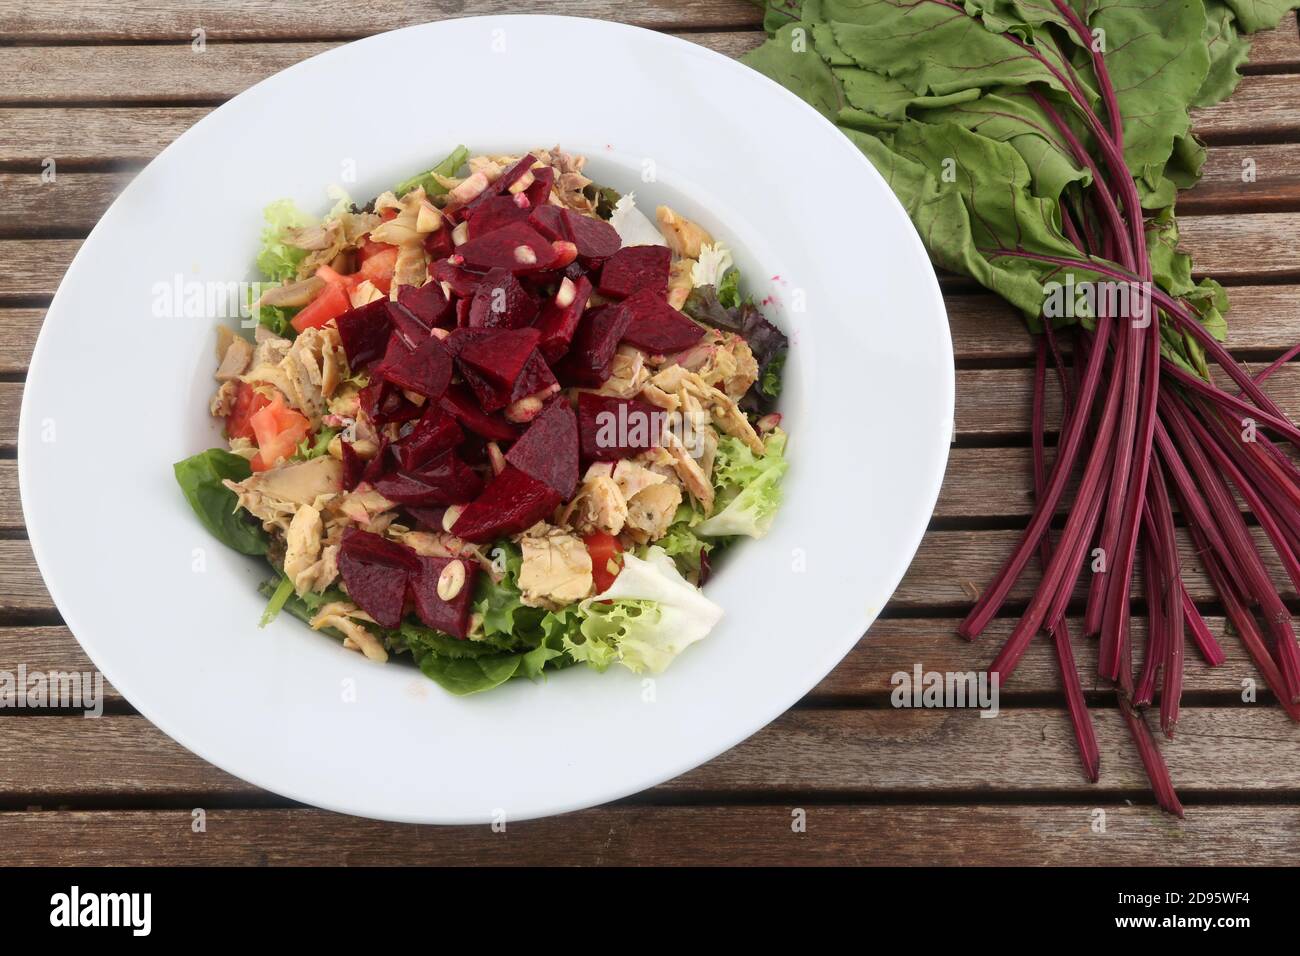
(426,304)
(353,466)
(493,213)
(375,572)
(657,327)
(425,371)
(364,333)
(549,221)
(517,247)
(539,192)
(501,302)
(450,616)
(462,281)
(460,405)
(500,356)
(535,378)
(596,239)
(511,502)
(446,481)
(558,322)
(592,351)
(435,433)
(548,450)
(613,428)
(635,268)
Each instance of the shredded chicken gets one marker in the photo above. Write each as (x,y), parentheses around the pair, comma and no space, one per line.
(680,282)
(224,399)
(343,617)
(307,370)
(651,510)
(556,570)
(627,375)
(302,547)
(275,495)
(684,237)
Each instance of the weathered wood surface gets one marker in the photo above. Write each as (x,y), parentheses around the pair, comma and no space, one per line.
(121,81)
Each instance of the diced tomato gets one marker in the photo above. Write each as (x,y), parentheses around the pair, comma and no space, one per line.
(330,275)
(369,248)
(378,268)
(247,401)
(606,558)
(277,429)
(330,303)
(389,213)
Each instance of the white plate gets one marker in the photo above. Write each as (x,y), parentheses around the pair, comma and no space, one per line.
(115,395)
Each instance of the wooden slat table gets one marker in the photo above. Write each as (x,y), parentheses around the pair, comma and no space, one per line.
(102,87)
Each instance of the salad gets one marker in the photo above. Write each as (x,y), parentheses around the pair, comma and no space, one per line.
(498,419)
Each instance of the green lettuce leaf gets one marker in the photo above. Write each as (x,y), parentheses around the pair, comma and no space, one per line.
(278,261)
(432,187)
(216,506)
(749,488)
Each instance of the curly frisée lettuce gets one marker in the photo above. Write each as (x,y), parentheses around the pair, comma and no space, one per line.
(278,260)
(750,486)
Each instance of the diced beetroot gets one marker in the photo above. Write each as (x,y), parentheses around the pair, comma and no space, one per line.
(493,213)
(635,268)
(459,338)
(462,281)
(438,244)
(548,450)
(657,327)
(425,371)
(426,304)
(592,351)
(375,467)
(549,221)
(536,377)
(514,173)
(446,481)
(375,571)
(539,193)
(462,313)
(406,327)
(500,356)
(427,516)
(558,322)
(353,466)
(511,502)
(435,433)
(460,404)
(491,396)
(517,247)
(613,428)
(501,302)
(450,616)
(596,239)
(364,333)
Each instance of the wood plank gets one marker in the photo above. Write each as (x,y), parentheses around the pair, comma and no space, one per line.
(18,331)
(899,644)
(11,396)
(1264,322)
(1261,109)
(1276,49)
(1236,179)
(270,19)
(893,644)
(910,752)
(74,201)
(671,836)
(21,586)
(176,74)
(11,509)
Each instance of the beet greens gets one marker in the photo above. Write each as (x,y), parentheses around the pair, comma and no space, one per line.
(1040,147)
